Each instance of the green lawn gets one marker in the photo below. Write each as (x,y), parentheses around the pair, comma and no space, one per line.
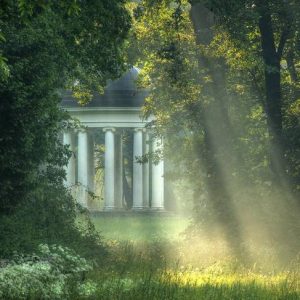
(140,227)
(149,259)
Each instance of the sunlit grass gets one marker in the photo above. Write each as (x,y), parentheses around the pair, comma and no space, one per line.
(149,259)
(172,284)
(199,278)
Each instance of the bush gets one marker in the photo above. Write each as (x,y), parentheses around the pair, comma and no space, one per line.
(51,274)
(49,216)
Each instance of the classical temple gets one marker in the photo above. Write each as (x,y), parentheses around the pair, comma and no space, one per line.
(108,115)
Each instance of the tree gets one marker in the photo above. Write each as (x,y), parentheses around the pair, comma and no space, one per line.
(46,50)
(278,25)
(206,93)
(47,47)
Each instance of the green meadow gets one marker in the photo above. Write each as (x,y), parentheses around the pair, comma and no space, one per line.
(140,227)
(151,259)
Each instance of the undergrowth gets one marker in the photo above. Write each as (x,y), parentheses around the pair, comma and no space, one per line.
(135,271)
(161,269)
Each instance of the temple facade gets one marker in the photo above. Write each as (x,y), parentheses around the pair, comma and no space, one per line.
(108,116)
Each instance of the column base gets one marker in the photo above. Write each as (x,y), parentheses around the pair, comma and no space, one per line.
(140,208)
(162,209)
(82,196)
(112,209)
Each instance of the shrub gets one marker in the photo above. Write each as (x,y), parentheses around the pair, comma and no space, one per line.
(51,274)
(48,216)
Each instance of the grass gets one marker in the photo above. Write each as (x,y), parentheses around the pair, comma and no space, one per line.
(170,285)
(139,227)
(149,259)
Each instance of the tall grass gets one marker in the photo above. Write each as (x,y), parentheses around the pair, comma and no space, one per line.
(143,266)
(182,286)
(133,277)
(162,266)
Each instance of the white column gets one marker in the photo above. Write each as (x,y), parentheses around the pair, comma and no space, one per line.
(137,170)
(157,201)
(146,184)
(118,171)
(109,173)
(68,139)
(82,167)
(91,164)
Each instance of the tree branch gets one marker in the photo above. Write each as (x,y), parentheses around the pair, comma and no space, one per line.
(291,65)
(284,36)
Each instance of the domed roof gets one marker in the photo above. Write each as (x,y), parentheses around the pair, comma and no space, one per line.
(121,92)
(126,82)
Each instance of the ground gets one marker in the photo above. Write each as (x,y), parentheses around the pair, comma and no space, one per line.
(150,259)
(140,227)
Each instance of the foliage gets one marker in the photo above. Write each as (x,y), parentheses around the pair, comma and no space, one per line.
(47,47)
(175,285)
(49,215)
(48,274)
(144,270)
(44,53)
(268,33)
(148,278)
(206,74)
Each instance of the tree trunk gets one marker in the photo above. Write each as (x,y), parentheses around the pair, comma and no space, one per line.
(273,106)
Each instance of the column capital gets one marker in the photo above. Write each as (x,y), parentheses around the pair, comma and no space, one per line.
(112,129)
(137,129)
(81,130)
(68,130)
